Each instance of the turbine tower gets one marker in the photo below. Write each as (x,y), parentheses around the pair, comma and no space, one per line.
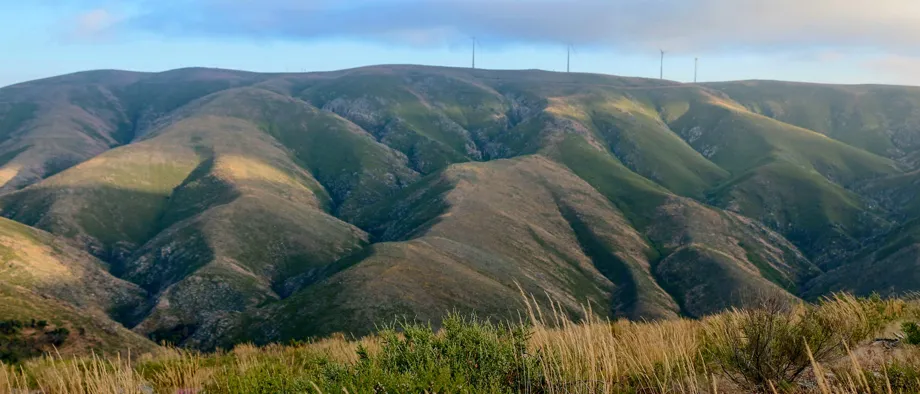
(661,75)
(696,67)
(474,53)
(568,57)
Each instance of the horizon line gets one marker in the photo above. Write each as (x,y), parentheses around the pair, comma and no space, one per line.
(458,68)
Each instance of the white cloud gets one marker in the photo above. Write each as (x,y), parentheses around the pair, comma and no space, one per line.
(93,25)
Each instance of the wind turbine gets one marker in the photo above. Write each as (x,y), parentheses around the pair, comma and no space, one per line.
(661,76)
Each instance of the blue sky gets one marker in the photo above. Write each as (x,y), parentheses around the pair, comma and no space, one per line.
(837,41)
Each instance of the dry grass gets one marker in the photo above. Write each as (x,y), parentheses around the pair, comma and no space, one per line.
(590,356)
(85,375)
(596,356)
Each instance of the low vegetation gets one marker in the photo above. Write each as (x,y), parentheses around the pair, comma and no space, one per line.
(777,347)
(20,340)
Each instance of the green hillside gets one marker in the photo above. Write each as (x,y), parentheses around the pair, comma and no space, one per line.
(880,119)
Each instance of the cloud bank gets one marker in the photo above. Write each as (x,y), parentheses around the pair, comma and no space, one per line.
(891,26)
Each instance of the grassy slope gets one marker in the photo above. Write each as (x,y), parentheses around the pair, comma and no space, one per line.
(395,109)
(52,124)
(779,171)
(212,213)
(110,203)
(47,127)
(622,118)
(549,231)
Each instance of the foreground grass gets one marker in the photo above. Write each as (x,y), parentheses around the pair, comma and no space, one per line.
(776,347)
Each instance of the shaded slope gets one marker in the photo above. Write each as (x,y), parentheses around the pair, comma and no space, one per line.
(673,224)
(890,266)
(897,194)
(828,222)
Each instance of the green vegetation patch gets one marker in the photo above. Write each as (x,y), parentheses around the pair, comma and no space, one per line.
(467,355)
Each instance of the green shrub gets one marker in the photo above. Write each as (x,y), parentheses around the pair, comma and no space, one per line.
(21,340)
(467,356)
(912,331)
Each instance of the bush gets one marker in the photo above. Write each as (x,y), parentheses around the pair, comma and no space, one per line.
(468,355)
(58,336)
(10,327)
(767,344)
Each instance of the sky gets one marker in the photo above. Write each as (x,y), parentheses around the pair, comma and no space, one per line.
(830,41)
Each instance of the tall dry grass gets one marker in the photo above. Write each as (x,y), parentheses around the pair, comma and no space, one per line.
(93,375)
(598,356)
(590,355)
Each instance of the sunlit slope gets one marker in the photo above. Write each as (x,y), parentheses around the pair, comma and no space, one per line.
(47,126)
(619,117)
(50,125)
(43,278)
(884,120)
